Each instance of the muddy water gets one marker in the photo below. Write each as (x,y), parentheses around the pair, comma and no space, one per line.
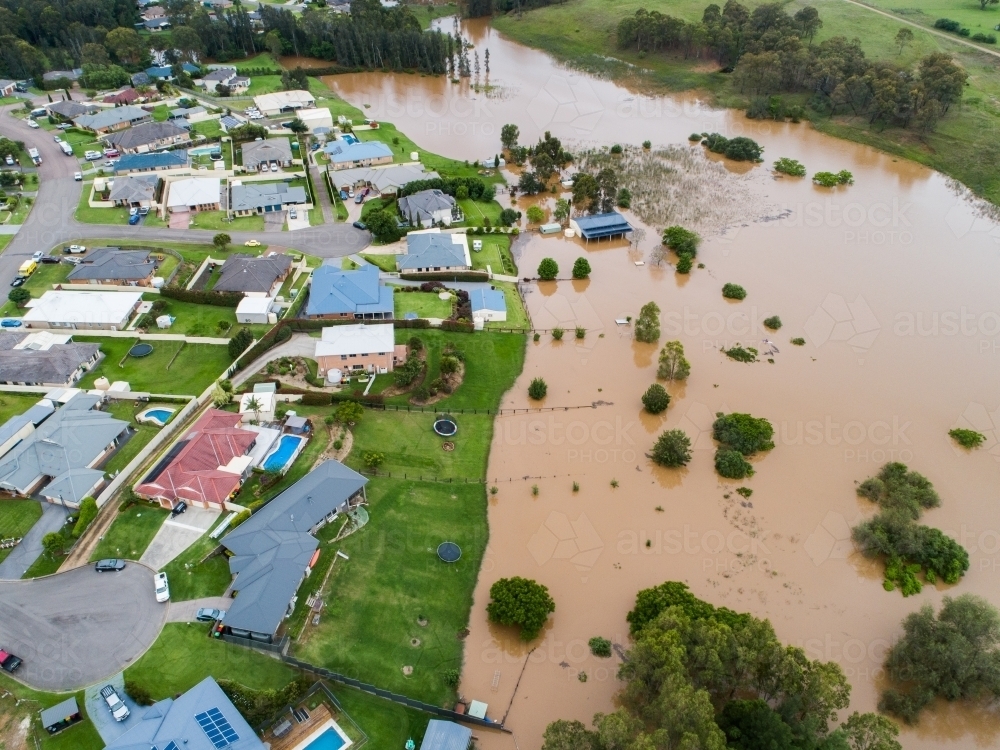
(891,282)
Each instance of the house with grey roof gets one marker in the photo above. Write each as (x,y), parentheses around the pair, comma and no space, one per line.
(431,250)
(335,294)
(69,75)
(253,275)
(186,113)
(114,118)
(134,190)
(272,549)
(44,358)
(276,150)
(151,162)
(446,735)
(430,208)
(14,430)
(149,136)
(114,266)
(386,180)
(352,154)
(203,718)
(58,459)
(140,79)
(70,110)
(265,197)
(156,24)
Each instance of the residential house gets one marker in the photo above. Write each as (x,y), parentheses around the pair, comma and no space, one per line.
(151,136)
(430,250)
(194,114)
(385,181)
(272,551)
(114,118)
(316,119)
(7,88)
(335,294)
(156,24)
(345,155)
(601,226)
(44,358)
(253,275)
(69,75)
(133,191)
(227,77)
(429,208)
(206,467)
(281,102)
(166,72)
(69,110)
(151,162)
(82,310)
(113,266)
(352,348)
(265,197)
(203,718)
(18,427)
(58,458)
(153,11)
(446,735)
(194,194)
(125,96)
(254,310)
(267,151)
(488,304)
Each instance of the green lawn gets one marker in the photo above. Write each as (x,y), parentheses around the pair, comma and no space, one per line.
(88,215)
(424,304)
(202,320)
(495,254)
(131,532)
(190,374)
(384,261)
(190,578)
(12,404)
(517,317)
(24,704)
(427,13)
(207,128)
(143,433)
(16,518)
(968,12)
(45,565)
(261,61)
(387,132)
(217,221)
(264,85)
(476,212)
(4,241)
(388,725)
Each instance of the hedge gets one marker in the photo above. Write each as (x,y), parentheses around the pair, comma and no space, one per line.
(459,276)
(219,299)
(312,398)
(373,398)
(88,512)
(457,326)
(258,706)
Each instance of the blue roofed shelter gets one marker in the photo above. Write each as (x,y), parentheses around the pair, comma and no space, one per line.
(446,735)
(358,295)
(488,304)
(601,226)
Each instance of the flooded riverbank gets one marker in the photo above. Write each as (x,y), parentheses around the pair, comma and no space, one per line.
(891,282)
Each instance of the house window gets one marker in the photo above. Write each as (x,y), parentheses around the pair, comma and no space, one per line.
(343,356)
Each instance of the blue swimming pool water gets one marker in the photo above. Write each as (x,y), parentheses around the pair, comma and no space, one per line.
(350,138)
(329,740)
(161,414)
(277,460)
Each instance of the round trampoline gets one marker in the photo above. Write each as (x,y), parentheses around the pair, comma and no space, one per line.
(449,552)
(445,425)
(141,350)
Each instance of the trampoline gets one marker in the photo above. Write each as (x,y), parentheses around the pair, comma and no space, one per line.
(449,552)
(141,350)
(445,425)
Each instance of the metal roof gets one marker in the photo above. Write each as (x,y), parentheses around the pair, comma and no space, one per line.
(445,735)
(159,160)
(112,263)
(335,291)
(602,225)
(55,714)
(432,250)
(248,273)
(253,196)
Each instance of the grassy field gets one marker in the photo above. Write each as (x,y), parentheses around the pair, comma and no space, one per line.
(22,704)
(388,134)
(476,212)
(12,404)
(203,320)
(582,32)
(88,215)
(261,61)
(384,261)
(495,254)
(16,518)
(131,532)
(428,13)
(143,433)
(424,304)
(925,12)
(217,221)
(189,375)
(190,578)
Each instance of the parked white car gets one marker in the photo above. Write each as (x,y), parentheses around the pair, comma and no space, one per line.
(33,124)
(78,249)
(78,176)
(93,155)
(162,589)
(118,709)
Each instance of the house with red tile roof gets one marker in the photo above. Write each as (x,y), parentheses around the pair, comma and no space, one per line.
(206,467)
(125,96)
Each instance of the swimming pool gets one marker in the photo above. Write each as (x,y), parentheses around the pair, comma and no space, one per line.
(350,138)
(280,457)
(204,150)
(158,416)
(329,740)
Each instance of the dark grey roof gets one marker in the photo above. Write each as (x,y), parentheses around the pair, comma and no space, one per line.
(220,74)
(54,714)
(112,116)
(186,112)
(145,134)
(73,485)
(248,273)
(272,548)
(140,79)
(70,109)
(133,189)
(53,366)
(423,205)
(112,263)
(269,149)
(446,735)
(255,195)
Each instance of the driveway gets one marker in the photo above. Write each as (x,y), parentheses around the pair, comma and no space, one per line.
(76,628)
(274,221)
(299,345)
(176,535)
(185,611)
(24,555)
(97,709)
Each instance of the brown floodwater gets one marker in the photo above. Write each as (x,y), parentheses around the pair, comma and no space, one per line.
(892,283)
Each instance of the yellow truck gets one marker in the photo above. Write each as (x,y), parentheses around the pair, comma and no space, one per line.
(27,268)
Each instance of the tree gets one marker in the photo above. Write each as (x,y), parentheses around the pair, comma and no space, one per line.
(808,21)
(220,397)
(870,732)
(239,342)
(126,45)
(942,79)
(904,37)
(536,215)
(273,43)
(53,543)
(94,54)
(383,226)
(508,216)
(254,404)
(743,433)
(295,79)
(537,389)
(222,240)
(548,269)
(581,268)
(984,3)
(520,602)
(529,184)
(586,192)
(297,126)
(672,448)
(681,240)
(349,412)
(656,399)
(373,459)
(647,327)
(955,656)
(508,136)
(754,725)
(19,296)
(568,735)
(624,199)
(187,43)
(733,291)
(673,365)
(561,212)
(731,464)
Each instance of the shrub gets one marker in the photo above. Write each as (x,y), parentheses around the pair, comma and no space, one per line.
(774,322)
(799,341)
(349,411)
(896,488)
(138,693)
(740,354)
(415,343)
(536,215)
(548,269)
(88,512)
(219,299)
(239,518)
(581,332)
(647,327)
(258,706)
(449,364)
(240,341)
(373,459)
(521,602)
(673,365)
(647,145)
(742,148)
(684,263)
(19,296)
(984,38)
(315,398)
(695,137)
(451,678)
(656,399)
(600,647)
(581,268)
(743,433)
(829,179)
(947,24)
(537,389)
(791,167)
(681,240)
(967,438)
(616,149)
(672,448)
(731,464)
(408,372)
(733,291)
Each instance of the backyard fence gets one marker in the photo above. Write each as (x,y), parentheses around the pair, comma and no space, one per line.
(458,480)
(498,412)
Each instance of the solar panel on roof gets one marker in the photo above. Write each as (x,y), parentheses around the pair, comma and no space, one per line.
(171,746)
(217,728)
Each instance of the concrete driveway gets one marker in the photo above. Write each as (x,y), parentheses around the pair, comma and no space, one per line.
(185,611)
(76,628)
(274,221)
(97,709)
(24,555)
(176,535)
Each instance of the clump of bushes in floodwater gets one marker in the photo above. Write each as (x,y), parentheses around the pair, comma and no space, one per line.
(831,179)
(647,327)
(734,291)
(537,389)
(967,438)
(791,167)
(656,399)
(739,436)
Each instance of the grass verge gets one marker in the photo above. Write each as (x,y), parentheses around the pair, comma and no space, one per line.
(16,519)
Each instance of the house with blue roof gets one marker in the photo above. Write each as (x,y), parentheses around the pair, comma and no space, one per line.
(601,226)
(488,304)
(166,73)
(151,162)
(431,251)
(203,718)
(337,294)
(344,155)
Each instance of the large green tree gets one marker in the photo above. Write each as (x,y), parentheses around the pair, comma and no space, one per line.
(520,602)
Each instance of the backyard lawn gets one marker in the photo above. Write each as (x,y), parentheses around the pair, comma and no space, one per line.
(16,518)
(143,432)
(387,133)
(385,261)
(188,375)
(12,404)
(88,215)
(21,704)
(190,578)
(424,304)
(131,532)
(476,212)
(217,221)
(495,254)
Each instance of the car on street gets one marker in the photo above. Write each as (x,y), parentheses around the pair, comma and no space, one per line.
(10,160)
(9,662)
(111,564)
(78,176)
(75,249)
(359,225)
(134,219)
(50,259)
(118,709)
(33,124)
(18,281)
(10,323)
(178,509)
(37,255)
(161,587)
(252,243)
(207,614)
(57,139)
